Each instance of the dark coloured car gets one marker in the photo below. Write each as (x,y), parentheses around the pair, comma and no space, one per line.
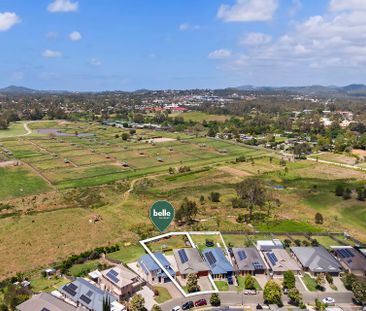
(259,307)
(200,302)
(188,305)
(230,280)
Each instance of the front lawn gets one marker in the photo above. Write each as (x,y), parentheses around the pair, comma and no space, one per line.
(241,285)
(222,286)
(310,282)
(41,284)
(163,296)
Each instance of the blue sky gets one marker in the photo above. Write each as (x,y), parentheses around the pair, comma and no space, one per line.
(158,44)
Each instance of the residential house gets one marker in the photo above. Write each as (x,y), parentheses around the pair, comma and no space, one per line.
(120,281)
(280,261)
(219,265)
(351,259)
(248,260)
(151,271)
(316,260)
(44,302)
(189,261)
(83,293)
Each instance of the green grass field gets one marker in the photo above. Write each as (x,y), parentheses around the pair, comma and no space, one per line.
(310,282)
(163,296)
(222,286)
(15,129)
(20,181)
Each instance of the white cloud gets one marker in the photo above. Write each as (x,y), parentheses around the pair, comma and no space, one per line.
(295,7)
(63,6)
(186,26)
(219,54)
(248,11)
(347,5)
(51,54)
(75,36)
(8,20)
(255,38)
(95,62)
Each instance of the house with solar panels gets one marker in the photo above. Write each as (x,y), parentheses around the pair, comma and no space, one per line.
(189,261)
(279,261)
(151,272)
(351,259)
(248,260)
(120,281)
(46,302)
(84,294)
(316,260)
(219,265)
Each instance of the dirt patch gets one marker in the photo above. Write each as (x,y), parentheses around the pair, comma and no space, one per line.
(234,171)
(161,140)
(359,152)
(9,163)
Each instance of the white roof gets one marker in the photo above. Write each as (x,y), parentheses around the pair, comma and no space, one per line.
(94,274)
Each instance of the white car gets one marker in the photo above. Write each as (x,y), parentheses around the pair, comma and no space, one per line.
(329,301)
(176,308)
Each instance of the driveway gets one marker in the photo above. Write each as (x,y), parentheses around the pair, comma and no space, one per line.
(148,295)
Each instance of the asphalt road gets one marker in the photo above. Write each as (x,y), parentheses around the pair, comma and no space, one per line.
(235,299)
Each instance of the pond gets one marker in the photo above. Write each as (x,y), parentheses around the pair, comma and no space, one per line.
(58,132)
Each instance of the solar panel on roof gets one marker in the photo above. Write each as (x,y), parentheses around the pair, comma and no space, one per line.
(242,255)
(72,286)
(114,272)
(257,265)
(350,254)
(272,258)
(183,255)
(210,258)
(112,277)
(89,293)
(85,299)
(68,290)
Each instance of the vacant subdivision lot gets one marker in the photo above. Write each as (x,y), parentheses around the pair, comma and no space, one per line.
(65,183)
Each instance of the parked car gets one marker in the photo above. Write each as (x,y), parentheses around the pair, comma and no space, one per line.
(329,301)
(176,308)
(250,292)
(200,302)
(230,280)
(259,307)
(188,305)
(285,290)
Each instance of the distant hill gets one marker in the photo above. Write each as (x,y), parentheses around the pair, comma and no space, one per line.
(349,90)
(21,90)
(13,89)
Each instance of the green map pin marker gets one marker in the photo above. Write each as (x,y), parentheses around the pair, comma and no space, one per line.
(162,214)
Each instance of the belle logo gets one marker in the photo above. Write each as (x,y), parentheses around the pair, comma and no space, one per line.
(162,214)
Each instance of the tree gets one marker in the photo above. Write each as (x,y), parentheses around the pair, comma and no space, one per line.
(106,304)
(348,279)
(202,199)
(339,190)
(125,136)
(3,307)
(249,282)
(215,300)
(156,308)
(215,196)
(137,303)
(319,219)
(295,296)
(347,194)
(289,280)
(272,293)
(329,278)
(361,194)
(4,124)
(252,194)
(192,283)
(320,280)
(171,170)
(359,291)
(187,211)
